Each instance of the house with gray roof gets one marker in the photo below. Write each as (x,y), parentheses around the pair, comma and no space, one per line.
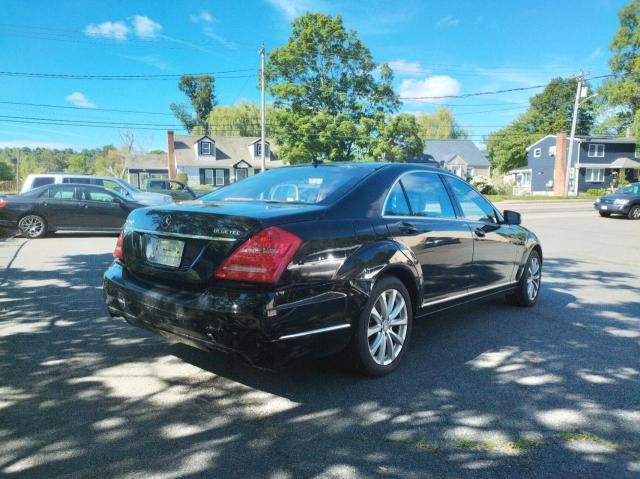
(205,159)
(461,157)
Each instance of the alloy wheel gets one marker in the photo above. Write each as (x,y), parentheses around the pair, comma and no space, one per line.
(31,226)
(387,329)
(533,278)
(635,213)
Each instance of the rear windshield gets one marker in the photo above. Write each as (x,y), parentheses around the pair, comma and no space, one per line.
(41,181)
(306,185)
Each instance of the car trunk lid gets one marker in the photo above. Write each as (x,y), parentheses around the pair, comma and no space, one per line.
(182,246)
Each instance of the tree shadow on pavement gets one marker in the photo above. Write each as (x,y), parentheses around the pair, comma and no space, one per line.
(484,391)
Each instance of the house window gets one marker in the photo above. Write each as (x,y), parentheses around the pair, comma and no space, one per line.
(258,149)
(537,152)
(552,150)
(241,173)
(469,173)
(213,176)
(596,150)
(595,175)
(523,178)
(206,148)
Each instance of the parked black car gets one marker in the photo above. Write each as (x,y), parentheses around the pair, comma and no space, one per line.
(74,207)
(626,202)
(319,259)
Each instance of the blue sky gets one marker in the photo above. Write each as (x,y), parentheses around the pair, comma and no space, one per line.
(435,47)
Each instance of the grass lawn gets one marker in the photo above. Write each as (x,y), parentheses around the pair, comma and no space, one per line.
(540,198)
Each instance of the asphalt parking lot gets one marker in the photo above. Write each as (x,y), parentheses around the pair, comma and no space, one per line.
(484,391)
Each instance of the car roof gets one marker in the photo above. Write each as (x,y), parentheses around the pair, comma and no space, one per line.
(372,165)
(72,175)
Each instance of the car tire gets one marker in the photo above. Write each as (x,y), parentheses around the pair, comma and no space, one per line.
(634,213)
(32,226)
(604,214)
(528,288)
(381,336)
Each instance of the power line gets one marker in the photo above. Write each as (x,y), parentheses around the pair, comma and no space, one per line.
(68,107)
(61,76)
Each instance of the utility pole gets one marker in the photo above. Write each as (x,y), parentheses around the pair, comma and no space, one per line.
(576,106)
(18,171)
(262,113)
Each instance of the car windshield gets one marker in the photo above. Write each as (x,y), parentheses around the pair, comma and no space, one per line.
(633,189)
(306,185)
(128,186)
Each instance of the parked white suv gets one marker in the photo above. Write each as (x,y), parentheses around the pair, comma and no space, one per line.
(109,182)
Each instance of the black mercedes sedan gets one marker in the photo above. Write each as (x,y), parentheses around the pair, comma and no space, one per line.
(65,207)
(319,259)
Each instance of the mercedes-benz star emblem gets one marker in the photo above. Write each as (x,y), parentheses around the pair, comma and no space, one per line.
(165,221)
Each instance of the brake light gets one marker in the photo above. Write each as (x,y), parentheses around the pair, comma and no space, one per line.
(262,258)
(3,203)
(119,251)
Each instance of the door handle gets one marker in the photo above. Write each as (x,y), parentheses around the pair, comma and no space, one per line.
(44,203)
(408,228)
(479,232)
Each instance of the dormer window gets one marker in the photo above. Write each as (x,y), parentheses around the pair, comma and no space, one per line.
(258,150)
(206,148)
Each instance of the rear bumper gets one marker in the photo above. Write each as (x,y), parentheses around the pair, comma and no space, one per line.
(264,327)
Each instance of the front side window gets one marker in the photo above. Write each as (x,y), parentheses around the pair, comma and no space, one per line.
(474,206)
(61,193)
(112,185)
(89,194)
(595,175)
(396,204)
(427,195)
(596,150)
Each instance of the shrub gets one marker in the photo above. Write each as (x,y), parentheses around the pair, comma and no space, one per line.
(182,176)
(597,191)
(484,185)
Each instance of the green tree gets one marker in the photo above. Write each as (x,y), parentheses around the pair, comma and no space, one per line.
(440,125)
(326,88)
(549,112)
(507,148)
(7,171)
(623,91)
(79,163)
(397,140)
(200,90)
(242,119)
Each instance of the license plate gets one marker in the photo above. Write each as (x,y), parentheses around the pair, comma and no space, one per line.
(604,207)
(166,252)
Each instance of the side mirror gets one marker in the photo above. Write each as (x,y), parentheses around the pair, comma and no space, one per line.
(511,217)
(117,201)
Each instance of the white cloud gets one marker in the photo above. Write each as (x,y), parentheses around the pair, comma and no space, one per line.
(203,17)
(597,53)
(406,67)
(113,30)
(145,28)
(35,144)
(78,99)
(433,86)
(448,21)
(292,8)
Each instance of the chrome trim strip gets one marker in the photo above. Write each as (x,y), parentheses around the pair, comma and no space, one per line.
(469,293)
(182,235)
(315,331)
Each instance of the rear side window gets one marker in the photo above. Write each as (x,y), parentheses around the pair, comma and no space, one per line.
(428,196)
(474,206)
(396,204)
(41,181)
(81,181)
(61,193)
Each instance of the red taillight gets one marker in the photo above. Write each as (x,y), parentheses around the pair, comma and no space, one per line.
(3,203)
(119,251)
(262,259)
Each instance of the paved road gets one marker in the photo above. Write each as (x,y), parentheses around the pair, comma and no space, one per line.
(485,391)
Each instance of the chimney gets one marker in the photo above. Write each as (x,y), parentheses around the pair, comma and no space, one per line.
(171,155)
(560,165)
